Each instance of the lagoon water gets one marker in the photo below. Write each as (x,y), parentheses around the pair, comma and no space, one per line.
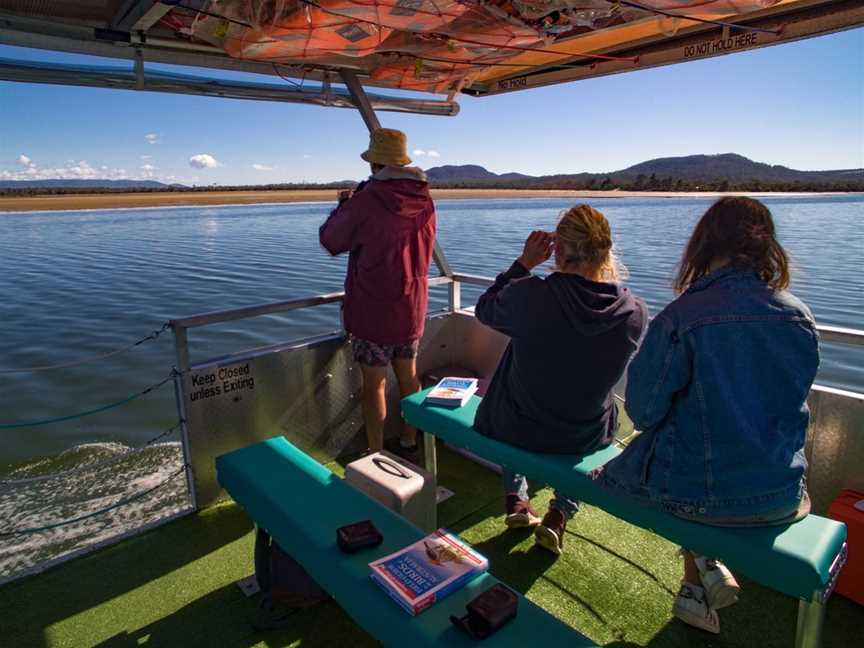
(81,283)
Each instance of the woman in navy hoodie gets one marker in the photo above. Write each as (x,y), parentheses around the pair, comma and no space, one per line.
(571,336)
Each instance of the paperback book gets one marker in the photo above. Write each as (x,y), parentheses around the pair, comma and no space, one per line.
(452,392)
(427,571)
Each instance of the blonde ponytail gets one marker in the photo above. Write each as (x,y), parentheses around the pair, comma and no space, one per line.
(586,240)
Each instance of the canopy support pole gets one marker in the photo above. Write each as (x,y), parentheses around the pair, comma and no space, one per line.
(361,101)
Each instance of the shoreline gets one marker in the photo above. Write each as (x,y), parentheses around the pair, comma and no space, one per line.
(83,202)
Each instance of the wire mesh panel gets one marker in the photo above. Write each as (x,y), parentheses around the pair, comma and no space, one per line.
(307,391)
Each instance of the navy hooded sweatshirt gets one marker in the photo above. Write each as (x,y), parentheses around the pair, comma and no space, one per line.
(571,339)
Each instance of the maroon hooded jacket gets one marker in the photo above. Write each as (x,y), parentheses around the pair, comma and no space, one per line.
(388,229)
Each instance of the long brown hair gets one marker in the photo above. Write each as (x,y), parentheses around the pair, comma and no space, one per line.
(739,229)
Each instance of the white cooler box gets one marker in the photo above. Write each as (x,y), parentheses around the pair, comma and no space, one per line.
(397,484)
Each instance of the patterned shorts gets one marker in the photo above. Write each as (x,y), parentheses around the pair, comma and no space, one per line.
(380,355)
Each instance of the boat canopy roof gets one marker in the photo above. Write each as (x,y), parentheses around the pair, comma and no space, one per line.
(477,47)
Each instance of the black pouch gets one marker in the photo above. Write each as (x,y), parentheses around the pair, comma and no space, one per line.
(357,536)
(488,611)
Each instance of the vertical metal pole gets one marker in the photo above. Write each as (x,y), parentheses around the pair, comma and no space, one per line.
(430,463)
(455,293)
(181,348)
(454,290)
(139,69)
(811,614)
(361,101)
(441,261)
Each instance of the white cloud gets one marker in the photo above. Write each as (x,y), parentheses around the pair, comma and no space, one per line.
(152,138)
(81,169)
(204,161)
(306,156)
(146,157)
(419,152)
(433,154)
(263,167)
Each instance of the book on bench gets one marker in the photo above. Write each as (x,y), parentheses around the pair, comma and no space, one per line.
(452,391)
(428,570)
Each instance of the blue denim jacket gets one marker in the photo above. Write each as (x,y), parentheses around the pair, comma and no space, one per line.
(719,389)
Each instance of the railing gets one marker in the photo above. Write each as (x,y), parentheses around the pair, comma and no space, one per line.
(839,334)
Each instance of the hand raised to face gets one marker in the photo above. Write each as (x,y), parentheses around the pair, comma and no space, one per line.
(538,248)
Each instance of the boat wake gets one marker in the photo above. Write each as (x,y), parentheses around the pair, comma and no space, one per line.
(54,508)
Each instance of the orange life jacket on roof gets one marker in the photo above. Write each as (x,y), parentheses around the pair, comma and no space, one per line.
(405,15)
(423,76)
(292,31)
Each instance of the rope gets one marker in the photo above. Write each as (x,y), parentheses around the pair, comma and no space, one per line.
(101,356)
(721,23)
(180,5)
(97,464)
(103,408)
(116,505)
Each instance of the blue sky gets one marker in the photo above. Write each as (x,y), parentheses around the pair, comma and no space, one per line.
(800,105)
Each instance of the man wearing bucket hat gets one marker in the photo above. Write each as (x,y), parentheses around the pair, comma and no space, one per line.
(387,227)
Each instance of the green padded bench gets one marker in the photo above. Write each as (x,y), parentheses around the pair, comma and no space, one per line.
(301,503)
(801,560)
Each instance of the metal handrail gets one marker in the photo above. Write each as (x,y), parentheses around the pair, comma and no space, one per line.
(215,317)
(245,312)
(839,334)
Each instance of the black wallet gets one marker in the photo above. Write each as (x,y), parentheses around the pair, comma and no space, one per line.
(357,536)
(488,611)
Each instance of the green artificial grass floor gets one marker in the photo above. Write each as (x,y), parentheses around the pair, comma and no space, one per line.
(175,586)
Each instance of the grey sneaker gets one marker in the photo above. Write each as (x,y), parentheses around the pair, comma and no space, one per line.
(690,606)
(550,533)
(721,588)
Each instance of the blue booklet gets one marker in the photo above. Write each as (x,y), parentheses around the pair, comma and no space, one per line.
(452,392)
(428,570)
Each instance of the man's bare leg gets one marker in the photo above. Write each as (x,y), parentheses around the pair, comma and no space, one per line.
(374,405)
(406,374)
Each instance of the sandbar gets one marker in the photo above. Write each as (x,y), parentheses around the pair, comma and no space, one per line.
(191,198)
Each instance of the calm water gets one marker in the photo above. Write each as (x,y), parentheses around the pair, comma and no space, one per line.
(82,283)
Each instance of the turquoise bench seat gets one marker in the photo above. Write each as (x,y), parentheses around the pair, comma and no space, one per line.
(799,559)
(301,503)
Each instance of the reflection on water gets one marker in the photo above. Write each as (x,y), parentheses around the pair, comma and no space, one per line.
(82,283)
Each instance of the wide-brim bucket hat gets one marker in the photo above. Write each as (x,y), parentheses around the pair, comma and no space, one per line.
(388,147)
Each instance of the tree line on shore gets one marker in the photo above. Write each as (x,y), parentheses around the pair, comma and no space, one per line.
(608,183)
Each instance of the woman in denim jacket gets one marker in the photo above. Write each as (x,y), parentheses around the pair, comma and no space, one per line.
(719,389)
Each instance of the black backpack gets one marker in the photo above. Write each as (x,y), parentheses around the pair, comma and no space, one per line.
(283,581)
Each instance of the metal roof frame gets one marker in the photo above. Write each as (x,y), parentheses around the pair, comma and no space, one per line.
(131,32)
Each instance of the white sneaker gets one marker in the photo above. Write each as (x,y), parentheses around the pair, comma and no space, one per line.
(691,608)
(721,588)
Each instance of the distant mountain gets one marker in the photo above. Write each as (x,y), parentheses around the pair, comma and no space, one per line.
(86,184)
(452,173)
(731,167)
